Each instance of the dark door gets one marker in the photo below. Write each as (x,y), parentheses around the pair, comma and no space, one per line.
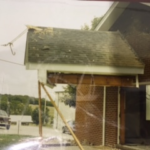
(133,106)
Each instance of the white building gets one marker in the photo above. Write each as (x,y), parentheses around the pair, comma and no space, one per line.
(67,112)
(21,119)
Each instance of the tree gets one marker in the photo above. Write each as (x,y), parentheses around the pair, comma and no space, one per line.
(35,115)
(69,96)
(18,104)
(85,27)
(94,24)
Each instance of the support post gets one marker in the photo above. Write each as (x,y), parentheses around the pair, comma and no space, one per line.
(104,116)
(137,81)
(74,136)
(122,118)
(118,133)
(40,110)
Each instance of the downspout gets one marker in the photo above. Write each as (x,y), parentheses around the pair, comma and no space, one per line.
(118,133)
(104,116)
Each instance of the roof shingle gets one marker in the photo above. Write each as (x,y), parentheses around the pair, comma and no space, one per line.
(78,47)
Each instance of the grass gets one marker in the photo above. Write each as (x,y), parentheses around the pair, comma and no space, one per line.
(9,140)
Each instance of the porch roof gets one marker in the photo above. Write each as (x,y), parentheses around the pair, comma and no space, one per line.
(53,47)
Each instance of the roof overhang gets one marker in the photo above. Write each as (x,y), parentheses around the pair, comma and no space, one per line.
(113,13)
(43,69)
(111,16)
(86,69)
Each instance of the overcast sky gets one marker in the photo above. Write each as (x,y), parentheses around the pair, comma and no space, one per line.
(15,15)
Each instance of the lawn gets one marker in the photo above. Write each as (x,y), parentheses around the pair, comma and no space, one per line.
(8,140)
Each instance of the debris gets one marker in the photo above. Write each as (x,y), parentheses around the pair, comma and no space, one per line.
(45,48)
(34,27)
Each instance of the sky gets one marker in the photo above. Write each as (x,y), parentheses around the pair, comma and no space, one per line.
(15,15)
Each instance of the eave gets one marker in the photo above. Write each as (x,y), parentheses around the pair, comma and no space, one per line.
(111,16)
(86,69)
(113,13)
(51,74)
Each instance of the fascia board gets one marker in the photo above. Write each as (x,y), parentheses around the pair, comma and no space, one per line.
(83,69)
(111,16)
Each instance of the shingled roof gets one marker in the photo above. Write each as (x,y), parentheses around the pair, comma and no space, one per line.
(78,47)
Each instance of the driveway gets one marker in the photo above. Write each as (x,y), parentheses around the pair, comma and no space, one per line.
(34,131)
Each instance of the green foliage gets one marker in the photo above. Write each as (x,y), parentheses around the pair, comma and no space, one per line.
(85,27)
(15,104)
(69,97)
(45,116)
(94,24)
(18,104)
(35,115)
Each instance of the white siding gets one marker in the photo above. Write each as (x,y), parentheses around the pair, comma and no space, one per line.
(68,112)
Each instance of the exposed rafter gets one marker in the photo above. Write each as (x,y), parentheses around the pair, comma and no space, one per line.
(96,80)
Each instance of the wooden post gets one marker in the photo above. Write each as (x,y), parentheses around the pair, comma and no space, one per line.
(122,117)
(18,126)
(40,110)
(74,136)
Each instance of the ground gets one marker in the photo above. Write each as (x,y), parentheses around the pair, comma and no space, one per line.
(51,137)
(34,131)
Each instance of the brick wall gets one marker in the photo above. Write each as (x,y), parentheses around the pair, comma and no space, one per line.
(89,106)
(89,112)
(111,116)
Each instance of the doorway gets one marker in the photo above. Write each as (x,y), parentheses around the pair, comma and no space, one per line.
(136,126)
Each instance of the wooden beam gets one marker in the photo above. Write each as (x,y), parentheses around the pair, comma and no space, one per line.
(60,114)
(40,110)
(96,80)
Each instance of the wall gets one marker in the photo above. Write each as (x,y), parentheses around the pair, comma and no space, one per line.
(89,106)
(111,115)
(89,115)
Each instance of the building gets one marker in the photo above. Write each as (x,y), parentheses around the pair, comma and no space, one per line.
(21,120)
(99,63)
(67,112)
(131,20)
